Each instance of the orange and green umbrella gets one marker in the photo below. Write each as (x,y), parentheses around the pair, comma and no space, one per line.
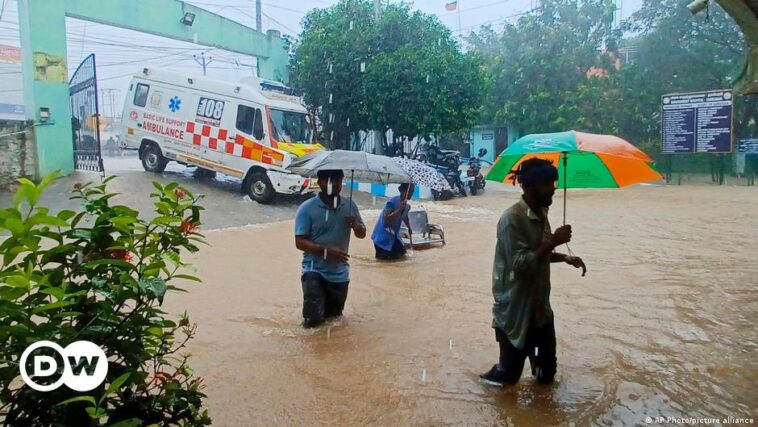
(584,160)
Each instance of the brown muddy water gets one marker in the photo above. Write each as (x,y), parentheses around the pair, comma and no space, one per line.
(664,323)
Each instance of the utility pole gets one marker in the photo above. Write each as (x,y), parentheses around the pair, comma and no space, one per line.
(458,7)
(258,19)
(202,60)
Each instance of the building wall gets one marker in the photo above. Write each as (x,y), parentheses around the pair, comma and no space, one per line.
(492,138)
(17,152)
(484,138)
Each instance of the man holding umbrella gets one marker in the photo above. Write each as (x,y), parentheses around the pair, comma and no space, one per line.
(385,236)
(323,225)
(522,317)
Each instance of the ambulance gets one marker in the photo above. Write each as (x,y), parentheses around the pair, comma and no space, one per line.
(250,130)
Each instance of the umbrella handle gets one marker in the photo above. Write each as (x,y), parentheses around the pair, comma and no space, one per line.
(565,182)
(350,206)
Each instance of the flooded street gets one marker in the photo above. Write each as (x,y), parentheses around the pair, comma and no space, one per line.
(662,325)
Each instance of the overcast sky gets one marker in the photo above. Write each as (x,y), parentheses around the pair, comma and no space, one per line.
(120,53)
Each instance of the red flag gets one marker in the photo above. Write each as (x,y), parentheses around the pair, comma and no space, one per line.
(453,5)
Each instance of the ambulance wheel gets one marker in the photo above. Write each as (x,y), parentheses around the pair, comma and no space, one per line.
(259,188)
(152,159)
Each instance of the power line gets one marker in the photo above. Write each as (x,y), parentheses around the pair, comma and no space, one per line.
(267,16)
(115,77)
(75,37)
(302,12)
(282,25)
(121,43)
(128,74)
(202,61)
(111,64)
(102,41)
(275,6)
(246,14)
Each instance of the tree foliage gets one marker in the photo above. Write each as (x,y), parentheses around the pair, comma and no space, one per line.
(676,52)
(404,72)
(538,65)
(99,275)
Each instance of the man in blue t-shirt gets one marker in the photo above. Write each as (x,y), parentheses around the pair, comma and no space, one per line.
(386,241)
(322,231)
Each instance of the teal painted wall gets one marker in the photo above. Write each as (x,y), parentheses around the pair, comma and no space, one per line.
(486,137)
(478,141)
(43,45)
(161,18)
(42,26)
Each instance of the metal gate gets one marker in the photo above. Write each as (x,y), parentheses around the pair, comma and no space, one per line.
(85,118)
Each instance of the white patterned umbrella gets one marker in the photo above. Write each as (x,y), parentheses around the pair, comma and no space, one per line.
(423,174)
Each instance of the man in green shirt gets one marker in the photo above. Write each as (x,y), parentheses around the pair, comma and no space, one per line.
(522,317)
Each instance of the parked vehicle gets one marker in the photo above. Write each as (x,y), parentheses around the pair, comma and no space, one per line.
(447,162)
(474,176)
(250,130)
(453,177)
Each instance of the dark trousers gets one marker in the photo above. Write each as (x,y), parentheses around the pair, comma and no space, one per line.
(322,299)
(539,348)
(397,251)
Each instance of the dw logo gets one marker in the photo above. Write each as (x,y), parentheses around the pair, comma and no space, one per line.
(85,366)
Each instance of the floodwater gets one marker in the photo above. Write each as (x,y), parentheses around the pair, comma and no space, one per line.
(664,323)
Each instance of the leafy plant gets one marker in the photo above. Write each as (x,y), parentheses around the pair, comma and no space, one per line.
(566,65)
(99,275)
(540,67)
(403,71)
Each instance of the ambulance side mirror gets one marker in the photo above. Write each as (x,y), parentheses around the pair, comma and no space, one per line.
(258,125)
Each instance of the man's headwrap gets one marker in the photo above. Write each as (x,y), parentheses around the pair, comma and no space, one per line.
(537,174)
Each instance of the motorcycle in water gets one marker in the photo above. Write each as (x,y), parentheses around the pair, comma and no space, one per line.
(450,169)
(447,162)
(453,178)
(474,176)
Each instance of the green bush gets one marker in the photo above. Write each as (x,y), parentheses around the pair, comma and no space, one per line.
(99,275)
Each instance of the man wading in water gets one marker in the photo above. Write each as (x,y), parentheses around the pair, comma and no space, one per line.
(385,236)
(322,231)
(522,317)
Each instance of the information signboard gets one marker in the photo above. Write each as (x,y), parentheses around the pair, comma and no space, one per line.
(697,122)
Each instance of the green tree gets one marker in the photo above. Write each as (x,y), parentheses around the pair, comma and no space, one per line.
(404,72)
(538,67)
(675,52)
(420,82)
(326,65)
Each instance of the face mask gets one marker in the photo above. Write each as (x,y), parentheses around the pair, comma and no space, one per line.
(545,200)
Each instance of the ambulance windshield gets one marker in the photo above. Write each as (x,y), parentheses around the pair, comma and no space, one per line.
(289,126)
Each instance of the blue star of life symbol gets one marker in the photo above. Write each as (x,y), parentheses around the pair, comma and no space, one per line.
(175,104)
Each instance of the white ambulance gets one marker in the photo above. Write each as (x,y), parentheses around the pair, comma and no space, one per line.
(250,130)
